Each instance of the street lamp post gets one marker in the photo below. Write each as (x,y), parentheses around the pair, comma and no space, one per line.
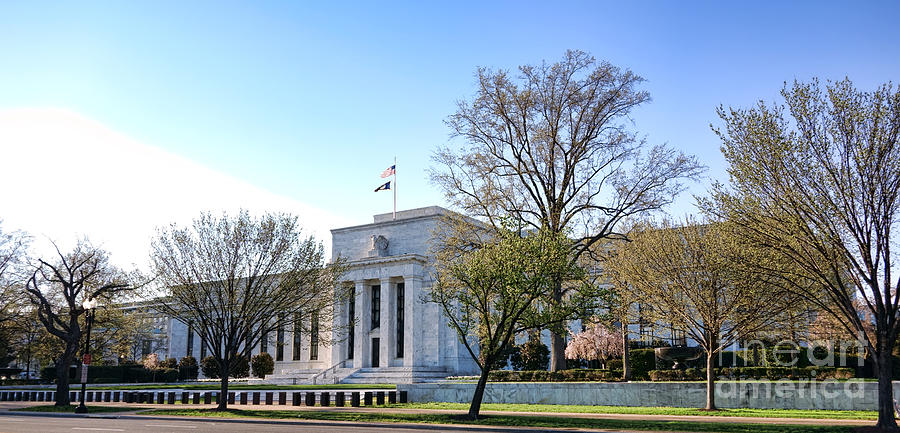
(89,306)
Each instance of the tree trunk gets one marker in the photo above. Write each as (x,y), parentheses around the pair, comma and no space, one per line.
(710,380)
(62,375)
(223,388)
(884,363)
(475,407)
(626,353)
(557,351)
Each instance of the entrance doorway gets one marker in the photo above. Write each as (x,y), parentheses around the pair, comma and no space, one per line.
(376,345)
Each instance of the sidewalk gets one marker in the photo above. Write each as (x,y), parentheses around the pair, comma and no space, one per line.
(7,406)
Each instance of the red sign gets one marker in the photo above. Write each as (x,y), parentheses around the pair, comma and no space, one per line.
(86,359)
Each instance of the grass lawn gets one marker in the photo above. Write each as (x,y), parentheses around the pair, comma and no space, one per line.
(71,408)
(508,420)
(762,413)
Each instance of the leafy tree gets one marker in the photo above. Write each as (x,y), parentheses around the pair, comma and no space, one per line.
(239,278)
(57,290)
(533,354)
(550,146)
(262,364)
(690,275)
(596,343)
(817,181)
(492,293)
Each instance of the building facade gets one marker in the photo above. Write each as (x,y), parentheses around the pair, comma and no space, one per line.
(388,332)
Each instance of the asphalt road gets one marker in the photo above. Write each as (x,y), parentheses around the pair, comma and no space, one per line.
(50,424)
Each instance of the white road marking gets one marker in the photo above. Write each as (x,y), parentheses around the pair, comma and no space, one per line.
(97,429)
(170,425)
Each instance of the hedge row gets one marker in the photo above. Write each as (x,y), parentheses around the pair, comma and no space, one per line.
(117,374)
(768,373)
(555,376)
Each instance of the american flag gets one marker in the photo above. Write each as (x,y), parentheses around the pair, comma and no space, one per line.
(389,172)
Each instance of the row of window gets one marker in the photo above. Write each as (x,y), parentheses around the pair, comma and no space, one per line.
(279,340)
(375,316)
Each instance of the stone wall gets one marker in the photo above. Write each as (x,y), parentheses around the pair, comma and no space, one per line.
(830,395)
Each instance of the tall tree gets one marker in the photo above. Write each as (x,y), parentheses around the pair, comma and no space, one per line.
(57,289)
(13,250)
(493,293)
(239,278)
(817,181)
(551,147)
(691,277)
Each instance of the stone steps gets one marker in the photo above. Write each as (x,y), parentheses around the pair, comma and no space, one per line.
(396,375)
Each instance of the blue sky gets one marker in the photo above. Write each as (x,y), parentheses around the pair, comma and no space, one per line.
(312,100)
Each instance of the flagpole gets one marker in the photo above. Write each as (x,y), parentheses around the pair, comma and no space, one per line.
(395,188)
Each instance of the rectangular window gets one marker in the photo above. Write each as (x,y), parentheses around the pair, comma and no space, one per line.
(190,341)
(298,327)
(376,307)
(264,342)
(314,336)
(279,339)
(351,322)
(401,298)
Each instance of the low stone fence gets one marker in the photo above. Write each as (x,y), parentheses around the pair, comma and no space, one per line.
(307,398)
(830,395)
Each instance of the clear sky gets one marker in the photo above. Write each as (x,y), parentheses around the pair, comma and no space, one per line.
(303,104)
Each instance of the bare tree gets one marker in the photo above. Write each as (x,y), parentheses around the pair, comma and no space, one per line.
(57,290)
(551,148)
(820,186)
(239,278)
(691,276)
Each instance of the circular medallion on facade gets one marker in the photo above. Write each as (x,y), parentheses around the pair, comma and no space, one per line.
(381,244)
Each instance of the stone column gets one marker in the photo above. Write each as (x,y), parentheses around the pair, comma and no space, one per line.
(361,352)
(339,331)
(412,319)
(388,351)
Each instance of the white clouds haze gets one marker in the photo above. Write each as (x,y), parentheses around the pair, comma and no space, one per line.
(64,176)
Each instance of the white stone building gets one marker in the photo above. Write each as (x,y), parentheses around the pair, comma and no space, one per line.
(397,337)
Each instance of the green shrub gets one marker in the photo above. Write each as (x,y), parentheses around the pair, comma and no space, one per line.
(531,355)
(240,367)
(572,375)
(209,367)
(262,364)
(642,361)
(756,373)
(169,363)
(615,364)
(187,368)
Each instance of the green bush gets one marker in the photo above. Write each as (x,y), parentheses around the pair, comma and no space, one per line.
(756,373)
(241,367)
(615,364)
(187,368)
(642,361)
(209,367)
(573,375)
(531,355)
(262,364)
(169,363)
